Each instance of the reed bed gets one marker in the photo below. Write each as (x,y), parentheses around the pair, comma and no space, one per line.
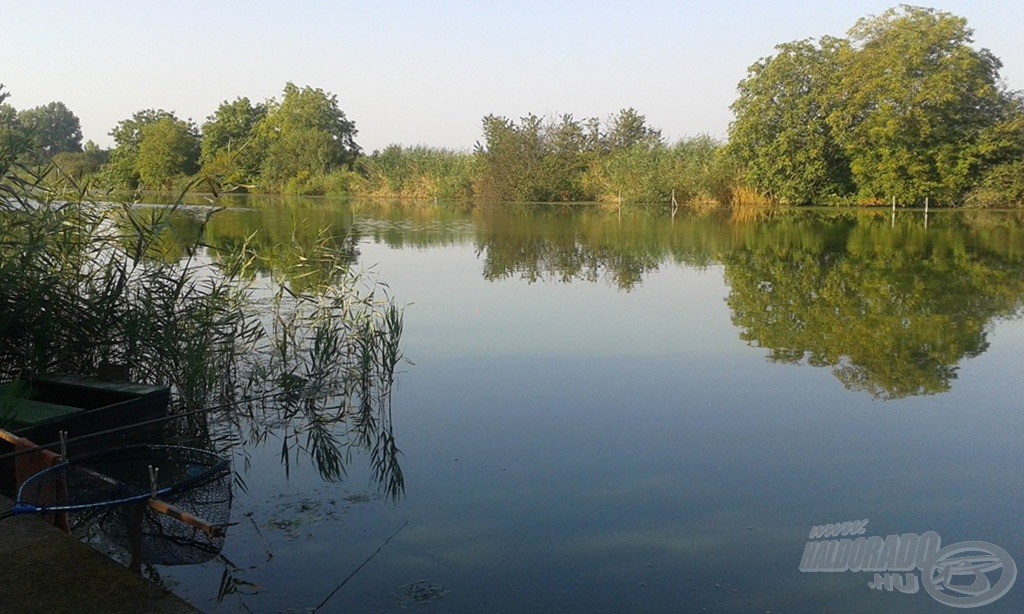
(305,355)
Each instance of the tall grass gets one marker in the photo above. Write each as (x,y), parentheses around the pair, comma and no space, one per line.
(85,284)
(695,170)
(416,173)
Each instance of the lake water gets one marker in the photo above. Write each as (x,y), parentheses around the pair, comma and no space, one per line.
(630,412)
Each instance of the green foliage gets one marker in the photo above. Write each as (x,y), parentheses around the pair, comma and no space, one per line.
(53,129)
(122,169)
(13,141)
(781,136)
(9,122)
(899,109)
(85,284)
(534,160)
(82,164)
(692,170)
(629,130)
(306,132)
(1000,151)
(228,150)
(40,133)
(168,150)
(153,149)
(510,159)
(916,97)
(415,172)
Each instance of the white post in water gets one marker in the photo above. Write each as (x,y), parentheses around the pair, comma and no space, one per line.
(926,212)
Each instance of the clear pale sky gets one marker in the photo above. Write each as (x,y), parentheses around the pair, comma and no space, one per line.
(428,72)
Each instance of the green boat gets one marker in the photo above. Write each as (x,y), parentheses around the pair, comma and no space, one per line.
(40,408)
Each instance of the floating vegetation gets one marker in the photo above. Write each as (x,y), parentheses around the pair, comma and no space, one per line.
(420,591)
(296,518)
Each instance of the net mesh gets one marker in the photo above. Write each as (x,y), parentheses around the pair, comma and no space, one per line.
(113,491)
(167,540)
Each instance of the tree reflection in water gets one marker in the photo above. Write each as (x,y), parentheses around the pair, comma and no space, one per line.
(891,308)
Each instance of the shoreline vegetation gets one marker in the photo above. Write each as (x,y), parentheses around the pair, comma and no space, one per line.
(903,111)
(253,345)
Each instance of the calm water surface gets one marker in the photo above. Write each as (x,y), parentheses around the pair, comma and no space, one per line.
(630,413)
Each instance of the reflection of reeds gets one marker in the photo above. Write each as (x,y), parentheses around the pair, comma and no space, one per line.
(748,214)
(86,284)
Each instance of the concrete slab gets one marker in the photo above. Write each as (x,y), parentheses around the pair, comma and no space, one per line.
(45,570)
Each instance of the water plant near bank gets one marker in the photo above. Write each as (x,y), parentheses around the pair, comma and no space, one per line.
(304,352)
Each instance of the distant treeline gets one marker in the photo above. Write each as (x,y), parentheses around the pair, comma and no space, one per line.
(903,108)
(304,144)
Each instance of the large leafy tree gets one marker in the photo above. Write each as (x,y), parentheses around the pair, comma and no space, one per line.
(898,109)
(229,149)
(915,98)
(53,129)
(305,134)
(40,133)
(128,135)
(1000,149)
(781,134)
(168,150)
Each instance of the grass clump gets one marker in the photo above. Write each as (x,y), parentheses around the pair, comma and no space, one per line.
(305,354)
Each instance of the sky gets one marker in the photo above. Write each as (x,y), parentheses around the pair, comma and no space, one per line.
(428,72)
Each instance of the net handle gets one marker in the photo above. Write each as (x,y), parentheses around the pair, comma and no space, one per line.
(167,509)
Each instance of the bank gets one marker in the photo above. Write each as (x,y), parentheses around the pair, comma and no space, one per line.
(45,570)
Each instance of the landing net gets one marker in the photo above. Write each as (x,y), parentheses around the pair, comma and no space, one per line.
(130,490)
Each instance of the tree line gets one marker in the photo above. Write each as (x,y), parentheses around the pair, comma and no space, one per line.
(903,107)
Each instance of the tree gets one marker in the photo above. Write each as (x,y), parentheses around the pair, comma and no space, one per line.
(53,129)
(781,135)
(629,129)
(915,98)
(566,158)
(536,160)
(1000,150)
(10,127)
(304,134)
(531,160)
(168,149)
(13,142)
(898,109)
(81,164)
(228,148)
(127,137)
